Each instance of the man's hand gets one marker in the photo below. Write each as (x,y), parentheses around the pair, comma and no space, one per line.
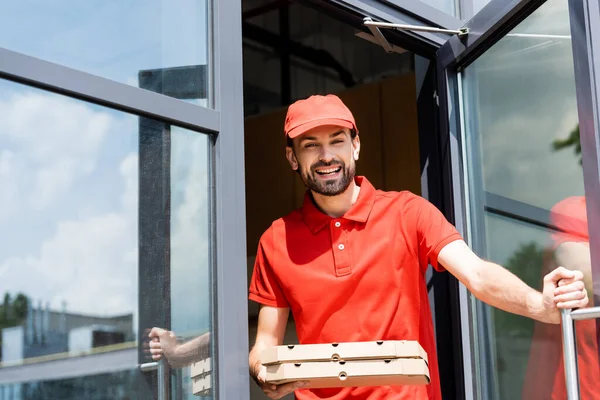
(272,322)
(163,342)
(276,391)
(563,289)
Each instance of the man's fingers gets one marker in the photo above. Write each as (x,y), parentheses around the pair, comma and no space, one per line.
(574,304)
(558,274)
(277,392)
(156,354)
(572,296)
(575,286)
(578,299)
(156,332)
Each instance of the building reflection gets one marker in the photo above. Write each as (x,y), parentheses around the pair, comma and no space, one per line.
(50,354)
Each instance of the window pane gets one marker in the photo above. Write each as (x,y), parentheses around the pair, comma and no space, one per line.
(479,4)
(108,222)
(190,258)
(447,6)
(339,62)
(158,45)
(520,248)
(527,354)
(524,162)
(521,111)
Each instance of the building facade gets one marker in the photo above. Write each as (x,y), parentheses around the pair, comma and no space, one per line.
(141,157)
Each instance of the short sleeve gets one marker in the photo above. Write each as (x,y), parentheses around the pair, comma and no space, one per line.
(264,285)
(434,232)
(569,216)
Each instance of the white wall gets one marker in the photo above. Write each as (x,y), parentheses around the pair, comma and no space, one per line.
(12,344)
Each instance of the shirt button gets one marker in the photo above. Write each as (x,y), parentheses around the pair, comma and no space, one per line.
(338,224)
(341,247)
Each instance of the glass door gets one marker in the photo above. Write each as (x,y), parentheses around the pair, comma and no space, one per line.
(523,133)
(122,202)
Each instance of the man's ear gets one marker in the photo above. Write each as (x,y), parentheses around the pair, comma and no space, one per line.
(356,147)
(291,156)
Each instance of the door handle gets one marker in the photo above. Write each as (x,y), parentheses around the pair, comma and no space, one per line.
(162,377)
(570,348)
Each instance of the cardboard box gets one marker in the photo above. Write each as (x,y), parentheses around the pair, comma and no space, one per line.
(401,371)
(201,386)
(200,368)
(377,350)
(201,377)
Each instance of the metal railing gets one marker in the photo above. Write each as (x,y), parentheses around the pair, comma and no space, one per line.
(162,378)
(570,346)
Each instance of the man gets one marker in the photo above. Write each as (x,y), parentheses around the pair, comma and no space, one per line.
(350,263)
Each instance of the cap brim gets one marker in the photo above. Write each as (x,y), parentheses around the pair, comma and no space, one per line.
(302,129)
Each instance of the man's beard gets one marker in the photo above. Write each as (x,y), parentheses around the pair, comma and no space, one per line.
(330,187)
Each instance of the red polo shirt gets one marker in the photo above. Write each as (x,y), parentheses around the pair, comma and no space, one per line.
(360,277)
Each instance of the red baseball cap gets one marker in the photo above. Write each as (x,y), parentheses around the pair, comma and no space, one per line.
(315,111)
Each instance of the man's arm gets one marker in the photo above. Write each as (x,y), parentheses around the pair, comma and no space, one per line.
(500,288)
(272,322)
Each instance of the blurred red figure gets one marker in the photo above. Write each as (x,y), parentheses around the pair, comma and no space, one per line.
(545,379)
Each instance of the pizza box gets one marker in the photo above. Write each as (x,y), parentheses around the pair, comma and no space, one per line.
(328,374)
(390,349)
(200,368)
(201,386)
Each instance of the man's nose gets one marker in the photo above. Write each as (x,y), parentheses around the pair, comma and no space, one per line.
(326,154)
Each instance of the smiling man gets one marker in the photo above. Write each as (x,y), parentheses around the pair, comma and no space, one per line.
(350,263)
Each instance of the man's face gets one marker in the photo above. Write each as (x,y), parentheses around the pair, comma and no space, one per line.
(326,158)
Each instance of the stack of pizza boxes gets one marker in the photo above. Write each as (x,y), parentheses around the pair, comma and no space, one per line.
(201,377)
(378,363)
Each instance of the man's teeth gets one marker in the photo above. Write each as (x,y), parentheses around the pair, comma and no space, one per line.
(328,171)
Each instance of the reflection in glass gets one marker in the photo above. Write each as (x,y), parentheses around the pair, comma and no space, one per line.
(569,247)
(520,247)
(479,4)
(86,194)
(520,100)
(447,6)
(158,45)
(524,163)
(190,260)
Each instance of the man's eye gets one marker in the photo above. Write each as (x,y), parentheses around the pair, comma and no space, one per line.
(337,142)
(310,145)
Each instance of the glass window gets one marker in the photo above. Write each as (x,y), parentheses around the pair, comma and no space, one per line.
(158,45)
(108,221)
(479,4)
(520,99)
(447,6)
(336,59)
(520,247)
(524,164)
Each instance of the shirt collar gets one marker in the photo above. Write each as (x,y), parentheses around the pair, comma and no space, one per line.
(359,212)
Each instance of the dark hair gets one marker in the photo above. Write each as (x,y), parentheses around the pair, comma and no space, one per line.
(290,141)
